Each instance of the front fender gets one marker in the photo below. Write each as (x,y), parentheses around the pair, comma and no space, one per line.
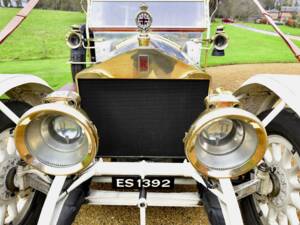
(27,88)
(262,91)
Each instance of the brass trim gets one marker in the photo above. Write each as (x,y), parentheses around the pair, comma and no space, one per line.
(79,35)
(124,66)
(230,113)
(71,98)
(62,109)
(144,40)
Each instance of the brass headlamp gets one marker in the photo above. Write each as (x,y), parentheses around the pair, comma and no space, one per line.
(74,38)
(220,42)
(56,138)
(225,141)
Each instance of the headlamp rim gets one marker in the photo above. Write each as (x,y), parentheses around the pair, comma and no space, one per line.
(61,109)
(226,113)
(78,35)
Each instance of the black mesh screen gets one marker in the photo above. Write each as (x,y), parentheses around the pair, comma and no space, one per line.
(142,118)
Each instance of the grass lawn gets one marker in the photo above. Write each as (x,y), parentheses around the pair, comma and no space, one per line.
(55,71)
(250,47)
(284,28)
(38,46)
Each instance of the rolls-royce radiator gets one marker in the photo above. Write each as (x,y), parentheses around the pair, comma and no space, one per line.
(142,118)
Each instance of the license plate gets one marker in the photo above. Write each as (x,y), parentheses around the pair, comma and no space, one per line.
(147,182)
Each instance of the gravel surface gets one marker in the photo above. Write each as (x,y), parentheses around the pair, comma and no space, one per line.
(228,77)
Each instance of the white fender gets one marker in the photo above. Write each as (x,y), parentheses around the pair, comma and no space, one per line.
(262,91)
(27,88)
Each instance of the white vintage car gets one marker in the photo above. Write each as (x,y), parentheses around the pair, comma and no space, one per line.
(140,116)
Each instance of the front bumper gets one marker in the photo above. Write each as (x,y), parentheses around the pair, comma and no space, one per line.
(56,198)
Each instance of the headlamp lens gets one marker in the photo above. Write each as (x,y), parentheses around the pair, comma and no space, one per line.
(218,131)
(65,129)
(221,137)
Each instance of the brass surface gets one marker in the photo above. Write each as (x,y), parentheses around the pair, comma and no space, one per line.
(62,109)
(78,35)
(221,99)
(125,66)
(71,98)
(144,40)
(191,151)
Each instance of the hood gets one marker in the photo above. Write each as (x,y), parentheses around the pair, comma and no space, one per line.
(143,63)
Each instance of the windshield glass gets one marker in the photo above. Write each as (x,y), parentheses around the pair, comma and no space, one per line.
(166,14)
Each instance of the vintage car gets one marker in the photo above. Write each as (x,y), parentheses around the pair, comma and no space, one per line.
(141,116)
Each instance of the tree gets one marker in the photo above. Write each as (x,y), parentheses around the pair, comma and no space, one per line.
(68,5)
(242,9)
(269,4)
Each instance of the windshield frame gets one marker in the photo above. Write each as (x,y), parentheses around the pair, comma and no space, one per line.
(133,28)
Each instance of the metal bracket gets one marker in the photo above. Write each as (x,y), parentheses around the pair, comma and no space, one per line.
(30,177)
(275,112)
(247,188)
(154,199)
(49,207)
(34,181)
(142,204)
(226,196)
(230,207)
(10,114)
(141,169)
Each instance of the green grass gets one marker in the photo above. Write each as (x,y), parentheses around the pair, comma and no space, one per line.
(38,46)
(41,36)
(55,71)
(250,47)
(284,28)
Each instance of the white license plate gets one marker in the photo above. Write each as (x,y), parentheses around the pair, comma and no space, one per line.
(147,183)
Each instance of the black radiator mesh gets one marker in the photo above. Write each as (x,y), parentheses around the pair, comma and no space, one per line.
(142,118)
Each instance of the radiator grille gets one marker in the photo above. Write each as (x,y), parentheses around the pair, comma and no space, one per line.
(142,118)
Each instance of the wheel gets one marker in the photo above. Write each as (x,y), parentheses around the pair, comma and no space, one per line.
(17,208)
(282,206)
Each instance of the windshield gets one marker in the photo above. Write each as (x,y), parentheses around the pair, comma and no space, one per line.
(166,14)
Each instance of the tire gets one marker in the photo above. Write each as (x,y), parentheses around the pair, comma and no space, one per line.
(73,204)
(75,199)
(78,55)
(211,206)
(285,125)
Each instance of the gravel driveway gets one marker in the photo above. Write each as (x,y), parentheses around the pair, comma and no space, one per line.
(229,77)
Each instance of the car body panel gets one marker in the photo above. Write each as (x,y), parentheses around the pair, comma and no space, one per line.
(128,66)
(28,88)
(112,45)
(262,91)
